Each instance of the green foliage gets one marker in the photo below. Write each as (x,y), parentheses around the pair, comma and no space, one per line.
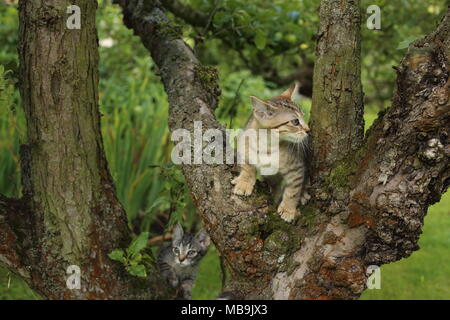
(175,194)
(9,25)
(136,137)
(14,288)
(405,43)
(12,132)
(260,39)
(134,123)
(138,244)
(136,260)
(401,21)
(282,34)
(208,284)
(273,26)
(6,91)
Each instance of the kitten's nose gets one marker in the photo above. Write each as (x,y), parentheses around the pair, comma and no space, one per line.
(182,258)
(306,128)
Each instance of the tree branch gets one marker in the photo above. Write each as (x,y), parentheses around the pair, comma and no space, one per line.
(304,74)
(194,17)
(407,168)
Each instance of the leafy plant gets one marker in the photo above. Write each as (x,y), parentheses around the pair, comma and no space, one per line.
(136,260)
(9,23)
(174,197)
(12,132)
(6,91)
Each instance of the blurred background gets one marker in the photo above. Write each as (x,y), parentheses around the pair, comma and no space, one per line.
(259,47)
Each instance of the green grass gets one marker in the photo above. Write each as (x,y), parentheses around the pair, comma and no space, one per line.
(14,288)
(208,284)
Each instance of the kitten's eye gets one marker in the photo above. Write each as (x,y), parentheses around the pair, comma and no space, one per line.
(176,250)
(192,253)
(295,122)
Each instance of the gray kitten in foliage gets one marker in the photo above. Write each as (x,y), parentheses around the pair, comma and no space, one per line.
(178,261)
(283,115)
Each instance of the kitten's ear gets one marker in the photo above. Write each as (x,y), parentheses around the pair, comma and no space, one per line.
(203,239)
(177,235)
(261,109)
(291,92)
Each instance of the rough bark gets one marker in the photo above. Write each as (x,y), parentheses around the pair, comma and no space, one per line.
(337,105)
(69,214)
(14,223)
(370,194)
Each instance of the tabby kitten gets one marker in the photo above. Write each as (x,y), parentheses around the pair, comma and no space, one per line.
(178,261)
(280,113)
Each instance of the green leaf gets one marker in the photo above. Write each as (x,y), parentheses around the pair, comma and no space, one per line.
(137,270)
(242,17)
(260,39)
(139,243)
(405,43)
(176,215)
(117,255)
(148,260)
(136,258)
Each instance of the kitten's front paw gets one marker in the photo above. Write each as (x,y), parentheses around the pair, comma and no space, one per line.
(242,187)
(186,288)
(174,283)
(288,213)
(305,198)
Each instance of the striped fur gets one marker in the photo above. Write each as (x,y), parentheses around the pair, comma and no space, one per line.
(178,261)
(283,115)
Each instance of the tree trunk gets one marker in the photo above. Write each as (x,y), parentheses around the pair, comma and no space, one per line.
(369,194)
(69,214)
(337,103)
